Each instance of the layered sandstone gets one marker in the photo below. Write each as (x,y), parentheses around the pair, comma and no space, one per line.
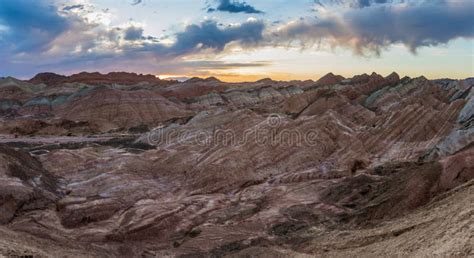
(370,165)
(122,109)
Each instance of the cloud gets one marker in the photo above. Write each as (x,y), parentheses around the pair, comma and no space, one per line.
(367,3)
(35,28)
(35,36)
(354,3)
(133,33)
(234,6)
(31,26)
(208,35)
(136,2)
(204,65)
(72,7)
(81,43)
(376,27)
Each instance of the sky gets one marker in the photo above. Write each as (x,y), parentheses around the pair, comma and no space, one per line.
(238,40)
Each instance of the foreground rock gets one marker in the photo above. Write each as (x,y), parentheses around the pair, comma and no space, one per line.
(26,186)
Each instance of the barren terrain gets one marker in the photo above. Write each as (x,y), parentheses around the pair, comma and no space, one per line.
(134,166)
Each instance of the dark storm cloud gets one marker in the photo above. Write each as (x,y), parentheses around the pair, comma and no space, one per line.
(367,3)
(208,35)
(133,33)
(373,28)
(30,29)
(233,6)
(34,25)
(30,25)
(136,2)
(72,7)
(353,3)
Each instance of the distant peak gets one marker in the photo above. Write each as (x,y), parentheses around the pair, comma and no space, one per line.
(330,79)
(393,77)
(198,79)
(376,76)
(406,78)
(362,78)
(265,80)
(47,78)
(195,79)
(94,78)
(420,78)
(212,79)
(10,79)
(47,75)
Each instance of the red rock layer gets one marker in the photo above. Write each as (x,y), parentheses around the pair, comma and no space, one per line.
(121,109)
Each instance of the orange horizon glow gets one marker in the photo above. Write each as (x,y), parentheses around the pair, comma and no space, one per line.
(237,78)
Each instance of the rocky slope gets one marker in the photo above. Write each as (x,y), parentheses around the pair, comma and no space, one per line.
(365,166)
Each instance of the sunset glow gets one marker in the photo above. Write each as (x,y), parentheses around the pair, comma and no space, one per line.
(280,39)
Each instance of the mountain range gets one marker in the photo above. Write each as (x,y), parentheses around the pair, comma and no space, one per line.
(125,164)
